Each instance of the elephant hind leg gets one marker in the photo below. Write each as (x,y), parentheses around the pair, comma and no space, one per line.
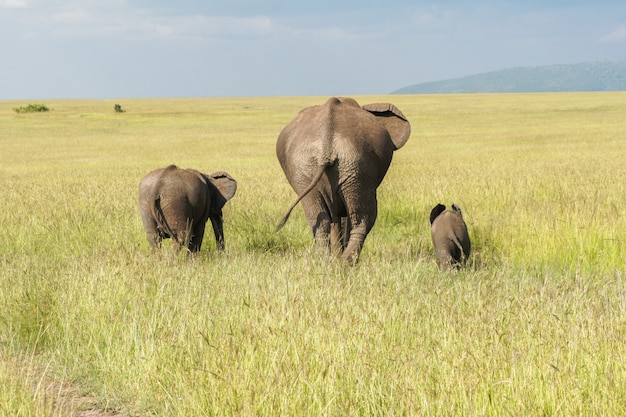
(182,235)
(337,237)
(357,239)
(322,230)
(153,235)
(353,250)
(151,227)
(330,230)
(345,232)
(444,260)
(361,219)
(328,234)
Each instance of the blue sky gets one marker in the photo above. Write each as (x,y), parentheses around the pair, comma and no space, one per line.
(192,48)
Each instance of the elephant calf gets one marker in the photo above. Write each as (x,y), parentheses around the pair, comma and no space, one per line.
(450,237)
(176,203)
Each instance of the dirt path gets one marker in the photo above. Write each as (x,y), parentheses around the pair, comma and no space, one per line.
(51,395)
(71,403)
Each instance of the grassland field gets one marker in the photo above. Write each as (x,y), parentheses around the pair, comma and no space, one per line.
(535,325)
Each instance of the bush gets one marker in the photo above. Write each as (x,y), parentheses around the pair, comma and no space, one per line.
(32,108)
(118,109)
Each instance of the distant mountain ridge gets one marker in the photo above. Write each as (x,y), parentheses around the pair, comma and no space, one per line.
(589,76)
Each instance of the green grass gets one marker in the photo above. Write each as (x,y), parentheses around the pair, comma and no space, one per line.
(535,325)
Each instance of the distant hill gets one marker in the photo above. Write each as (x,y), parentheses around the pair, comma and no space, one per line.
(591,76)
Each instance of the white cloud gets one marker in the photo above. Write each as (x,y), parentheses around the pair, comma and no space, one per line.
(331,34)
(118,19)
(432,17)
(75,16)
(618,35)
(12,4)
(192,27)
(161,30)
(227,26)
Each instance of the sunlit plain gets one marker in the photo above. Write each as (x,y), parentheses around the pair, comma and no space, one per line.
(534,325)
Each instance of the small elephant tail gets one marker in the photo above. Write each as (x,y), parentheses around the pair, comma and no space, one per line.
(160,217)
(318,176)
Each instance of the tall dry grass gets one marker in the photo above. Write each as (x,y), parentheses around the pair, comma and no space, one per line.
(535,325)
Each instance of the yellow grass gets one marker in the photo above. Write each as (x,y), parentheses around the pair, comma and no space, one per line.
(535,325)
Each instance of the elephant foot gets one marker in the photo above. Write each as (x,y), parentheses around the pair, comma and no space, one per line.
(351,257)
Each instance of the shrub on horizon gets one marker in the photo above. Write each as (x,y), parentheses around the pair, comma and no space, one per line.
(32,108)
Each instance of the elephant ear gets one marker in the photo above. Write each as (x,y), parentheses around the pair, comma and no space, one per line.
(394,121)
(225,187)
(436,211)
(457,209)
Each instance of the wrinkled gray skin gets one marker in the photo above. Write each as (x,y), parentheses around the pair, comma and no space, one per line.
(450,237)
(335,156)
(176,203)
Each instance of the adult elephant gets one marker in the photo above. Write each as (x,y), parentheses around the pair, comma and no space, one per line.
(335,156)
(176,203)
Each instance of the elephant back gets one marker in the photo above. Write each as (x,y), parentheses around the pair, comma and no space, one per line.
(185,192)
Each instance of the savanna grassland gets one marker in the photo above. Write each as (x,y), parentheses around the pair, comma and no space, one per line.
(93,323)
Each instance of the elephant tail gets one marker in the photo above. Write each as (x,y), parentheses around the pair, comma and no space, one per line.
(318,176)
(160,218)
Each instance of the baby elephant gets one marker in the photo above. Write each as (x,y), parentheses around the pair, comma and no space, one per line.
(176,203)
(450,237)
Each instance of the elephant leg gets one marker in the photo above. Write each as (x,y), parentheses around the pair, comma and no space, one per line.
(444,260)
(195,239)
(321,228)
(154,238)
(334,206)
(152,231)
(218,229)
(345,232)
(182,232)
(362,216)
(318,217)
(336,237)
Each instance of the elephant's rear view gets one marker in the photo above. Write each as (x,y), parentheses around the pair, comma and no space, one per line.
(335,156)
(450,236)
(176,203)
